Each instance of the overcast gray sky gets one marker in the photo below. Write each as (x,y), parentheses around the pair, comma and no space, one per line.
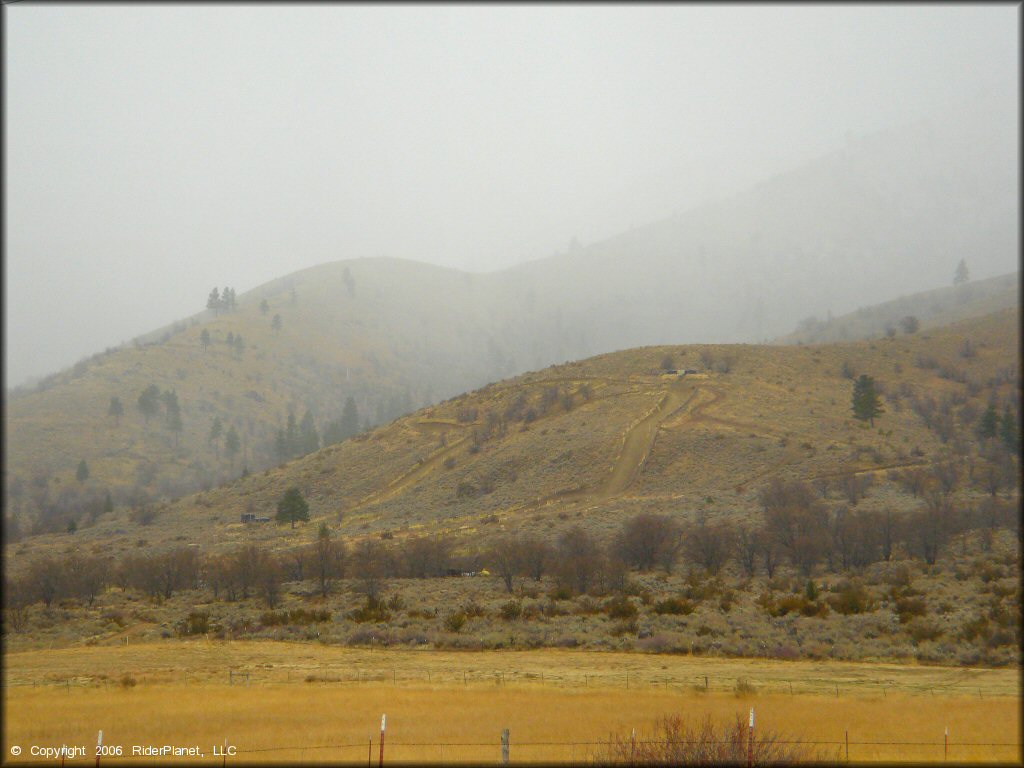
(154,151)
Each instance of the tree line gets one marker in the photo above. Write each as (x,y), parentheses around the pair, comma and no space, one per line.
(795,529)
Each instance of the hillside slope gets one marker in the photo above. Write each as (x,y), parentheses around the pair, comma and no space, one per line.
(392,335)
(930,308)
(856,226)
(596,441)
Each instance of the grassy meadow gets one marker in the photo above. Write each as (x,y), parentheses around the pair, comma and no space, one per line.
(325,703)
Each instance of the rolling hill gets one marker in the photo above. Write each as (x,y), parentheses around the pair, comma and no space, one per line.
(596,441)
(855,227)
(930,308)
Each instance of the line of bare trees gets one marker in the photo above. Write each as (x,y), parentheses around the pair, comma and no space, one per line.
(797,527)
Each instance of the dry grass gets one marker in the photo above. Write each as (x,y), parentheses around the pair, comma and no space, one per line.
(161,709)
(778,411)
(951,596)
(276,662)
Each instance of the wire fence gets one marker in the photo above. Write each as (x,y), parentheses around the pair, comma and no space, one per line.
(568,752)
(563,752)
(957,684)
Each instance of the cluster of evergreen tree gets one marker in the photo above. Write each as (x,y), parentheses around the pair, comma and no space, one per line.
(149,403)
(235,342)
(1005,427)
(300,438)
(296,439)
(232,443)
(345,427)
(218,300)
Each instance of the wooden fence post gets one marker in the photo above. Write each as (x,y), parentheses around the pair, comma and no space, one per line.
(945,745)
(382,721)
(99,743)
(847,745)
(504,747)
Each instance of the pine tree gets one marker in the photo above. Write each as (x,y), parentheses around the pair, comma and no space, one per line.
(866,402)
(281,445)
(213,301)
(216,430)
(292,507)
(1009,431)
(82,473)
(149,401)
(172,413)
(962,275)
(291,435)
(345,427)
(349,419)
(276,323)
(116,409)
(264,307)
(232,445)
(988,426)
(309,440)
(204,338)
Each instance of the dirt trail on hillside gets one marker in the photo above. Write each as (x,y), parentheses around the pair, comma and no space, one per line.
(875,470)
(434,462)
(413,476)
(639,440)
(637,443)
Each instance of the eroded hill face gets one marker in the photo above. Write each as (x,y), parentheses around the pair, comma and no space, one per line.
(597,441)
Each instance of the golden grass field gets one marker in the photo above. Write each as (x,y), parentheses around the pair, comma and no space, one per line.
(558,705)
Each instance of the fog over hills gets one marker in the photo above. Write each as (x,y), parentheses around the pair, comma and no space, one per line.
(906,314)
(859,226)
(156,151)
(595,441)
